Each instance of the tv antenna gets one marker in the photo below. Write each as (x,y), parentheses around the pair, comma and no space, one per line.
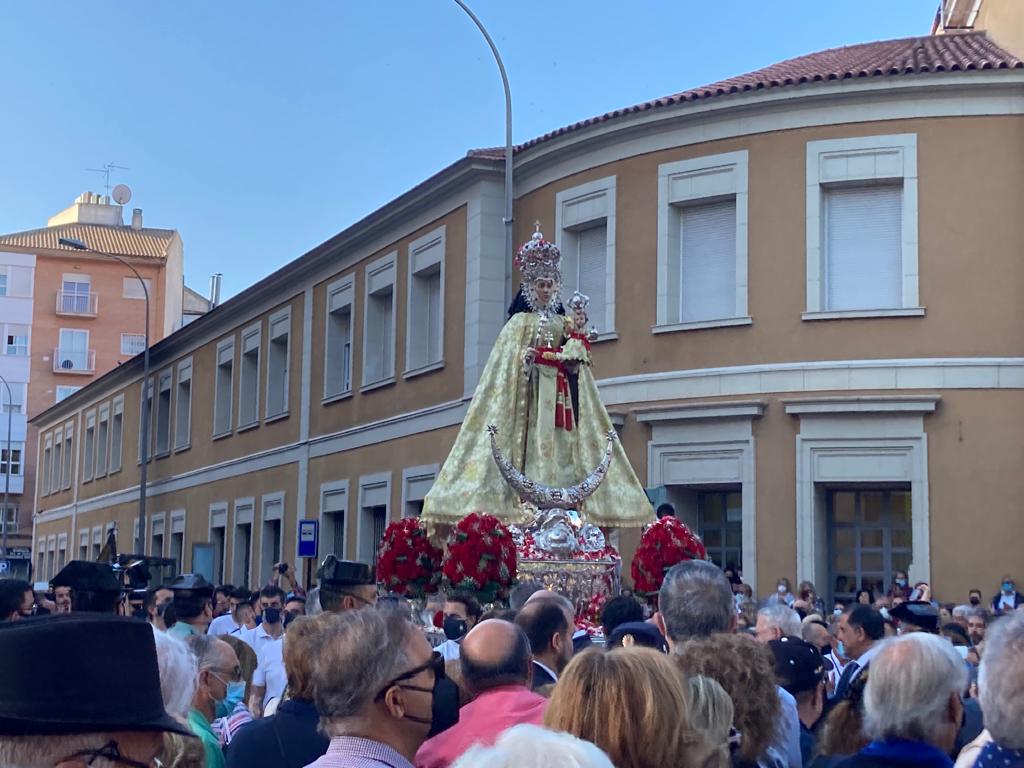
(105,170)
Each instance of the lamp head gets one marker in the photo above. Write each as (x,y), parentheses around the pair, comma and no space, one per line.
(71,242)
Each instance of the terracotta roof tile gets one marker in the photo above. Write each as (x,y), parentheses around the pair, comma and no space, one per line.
(121,241)
(884,58)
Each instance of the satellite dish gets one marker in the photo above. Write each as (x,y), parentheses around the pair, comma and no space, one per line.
(122,194)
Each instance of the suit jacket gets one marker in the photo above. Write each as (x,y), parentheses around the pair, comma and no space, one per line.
(1018,598)
(541,677)
(287,739)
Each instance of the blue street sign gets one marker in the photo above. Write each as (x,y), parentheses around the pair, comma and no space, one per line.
(5,566)
(309,537)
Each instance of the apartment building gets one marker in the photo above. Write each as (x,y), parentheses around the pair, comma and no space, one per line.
(806,281)
(69,316)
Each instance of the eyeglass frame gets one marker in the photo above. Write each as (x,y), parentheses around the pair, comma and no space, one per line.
(110,751)
(436,663)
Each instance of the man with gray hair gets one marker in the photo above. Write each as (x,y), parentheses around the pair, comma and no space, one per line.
(1000,683)
(695,601)
(219,673)
(375,676)
(776,621)
(912,705)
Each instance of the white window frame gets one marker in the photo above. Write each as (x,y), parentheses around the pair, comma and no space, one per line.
(184,374)
(340,294)
(219,519)
(164,381)
(59,387)
(158,527)
(413,481)
(244,514)
(47,474)
(276,498)
(579,208)
(284,316)
(58,461)
(136,336)
(424,253)
(18,393)
(368,484)
(116,409)
(68,473)
(89,460)
(28,339)
(129,286)
(695,181)
(83,544)
(328,489)
(225,347)
(380,274)
(862,159)
(102,417)
(252,337)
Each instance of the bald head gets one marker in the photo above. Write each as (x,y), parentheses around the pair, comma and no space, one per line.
(495,653)
(549,596)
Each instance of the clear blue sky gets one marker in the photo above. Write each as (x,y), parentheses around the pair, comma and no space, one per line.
(260,129)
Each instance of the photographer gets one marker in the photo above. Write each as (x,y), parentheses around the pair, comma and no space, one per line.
(282,576)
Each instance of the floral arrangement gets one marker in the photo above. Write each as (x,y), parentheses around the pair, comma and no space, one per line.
(481,557)
(409,564)
(530,551)
(590,618)
(665,543)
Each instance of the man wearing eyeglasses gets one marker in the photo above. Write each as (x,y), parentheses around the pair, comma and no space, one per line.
(219,672)
(375,675)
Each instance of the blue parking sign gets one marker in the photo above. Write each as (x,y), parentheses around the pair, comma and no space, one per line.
(309,535)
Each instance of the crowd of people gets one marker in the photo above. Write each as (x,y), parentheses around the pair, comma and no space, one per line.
(346,678)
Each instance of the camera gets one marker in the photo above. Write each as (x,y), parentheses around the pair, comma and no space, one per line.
(282,568)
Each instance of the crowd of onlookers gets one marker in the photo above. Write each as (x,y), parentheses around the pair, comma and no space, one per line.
(343,677)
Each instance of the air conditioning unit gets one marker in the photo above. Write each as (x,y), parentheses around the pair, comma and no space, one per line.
(67,365)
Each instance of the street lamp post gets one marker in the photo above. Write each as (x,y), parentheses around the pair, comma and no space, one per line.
(140,542)
(508,131)
(7,469)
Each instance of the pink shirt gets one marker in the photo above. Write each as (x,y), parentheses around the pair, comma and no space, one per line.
(481,722)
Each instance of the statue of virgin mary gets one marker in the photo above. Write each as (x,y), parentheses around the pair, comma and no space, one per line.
(537,389)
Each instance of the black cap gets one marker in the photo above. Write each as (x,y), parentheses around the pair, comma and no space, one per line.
(87,576)
(799,666)
(114,684)
(917,612)
(345,573)
(195,583)
(637,633)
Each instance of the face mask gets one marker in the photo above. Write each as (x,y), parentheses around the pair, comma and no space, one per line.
(782,589)
(837,611)
(235,694)
(841,650)
(975,600)
(271,615)
(444,708)
(901,583)
(161,608)
(454,627)
(1007,587)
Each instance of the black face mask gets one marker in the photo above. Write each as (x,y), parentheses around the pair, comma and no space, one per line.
(444,709)
(454,627)
(271,615)
(975,600)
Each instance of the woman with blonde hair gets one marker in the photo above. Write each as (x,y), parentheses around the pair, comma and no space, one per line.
(711,712)
(633,704)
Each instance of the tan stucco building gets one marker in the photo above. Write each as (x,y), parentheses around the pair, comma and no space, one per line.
(806,281)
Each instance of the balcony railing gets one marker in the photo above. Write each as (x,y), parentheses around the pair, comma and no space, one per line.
(77,304)
(74,361)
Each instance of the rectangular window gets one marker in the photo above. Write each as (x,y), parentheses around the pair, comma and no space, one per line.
(83,545)
(3,281)
(89,447)
(333,503)
(75,297)
(379,325)
(133,343)
(16,451)
(10,520)
(73,353)
(707,261)
(863,232)
(65,391)
(146,409)
(132,289)
(58,461)
(102,440)
(271,534)
(16,340)
(278,364)
(338,343)
(47,465)
(702,243)
(183,407)
(425,323)
(720,521)
(862,228)
(249,378)
(163,414)
(241,548)
(116,434)
(15,402)
(69,451)
(585,227)
(223,387)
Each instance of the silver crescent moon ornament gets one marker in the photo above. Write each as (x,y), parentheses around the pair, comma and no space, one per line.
(547,497)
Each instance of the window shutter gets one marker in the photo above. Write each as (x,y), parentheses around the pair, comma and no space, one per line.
(863,238)
(708,259)
(592,266)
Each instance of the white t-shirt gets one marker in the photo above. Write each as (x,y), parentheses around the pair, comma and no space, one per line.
(222,625)
(269,664)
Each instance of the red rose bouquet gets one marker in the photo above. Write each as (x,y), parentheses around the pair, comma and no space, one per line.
(664,544)
(481,557)
(408,563)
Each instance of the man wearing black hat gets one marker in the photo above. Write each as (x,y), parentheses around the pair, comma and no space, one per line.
(346,585)
(106,705)
(193,604)
(916,616)
(800,669)
(94,587)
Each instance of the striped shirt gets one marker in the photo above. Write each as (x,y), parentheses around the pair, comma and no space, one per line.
(352,752)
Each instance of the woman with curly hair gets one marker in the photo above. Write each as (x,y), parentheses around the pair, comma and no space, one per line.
(633,704)
(746,670)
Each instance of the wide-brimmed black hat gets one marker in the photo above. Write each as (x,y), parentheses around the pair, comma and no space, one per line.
(919,613)
(799,666)
(87,577)
(195,583)
(345,573)
(640,633)
(112,684)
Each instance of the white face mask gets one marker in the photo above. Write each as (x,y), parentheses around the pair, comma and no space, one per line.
(782,589)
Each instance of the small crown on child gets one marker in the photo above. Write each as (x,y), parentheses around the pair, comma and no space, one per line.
(579,301)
